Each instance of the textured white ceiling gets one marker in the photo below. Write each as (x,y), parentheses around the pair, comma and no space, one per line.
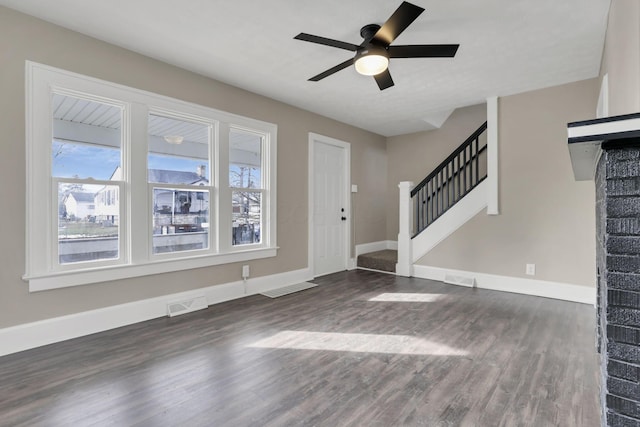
(506,47)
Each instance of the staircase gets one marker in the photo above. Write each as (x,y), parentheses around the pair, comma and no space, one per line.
(384,260)
(454,178)
(453,193)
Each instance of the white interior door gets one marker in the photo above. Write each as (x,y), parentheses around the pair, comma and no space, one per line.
(330,207)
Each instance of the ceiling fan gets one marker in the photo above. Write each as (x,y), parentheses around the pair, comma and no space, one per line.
(373,54)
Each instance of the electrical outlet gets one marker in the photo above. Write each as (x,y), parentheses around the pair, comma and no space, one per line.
(531,269)
(245,272)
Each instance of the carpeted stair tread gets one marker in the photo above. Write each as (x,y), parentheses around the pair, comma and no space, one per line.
(381,260)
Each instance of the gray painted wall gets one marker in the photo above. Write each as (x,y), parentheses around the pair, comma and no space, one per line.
(414,156)
(546,217)
(25,38)
(621,57)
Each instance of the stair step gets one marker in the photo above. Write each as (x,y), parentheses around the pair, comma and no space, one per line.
(381,260)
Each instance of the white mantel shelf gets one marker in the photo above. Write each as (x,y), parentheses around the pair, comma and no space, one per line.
(585,140)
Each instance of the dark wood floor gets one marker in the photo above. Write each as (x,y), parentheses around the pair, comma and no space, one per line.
(361,349)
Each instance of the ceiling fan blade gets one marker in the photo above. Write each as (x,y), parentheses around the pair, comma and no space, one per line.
(327,42)
(384,79)
(423,51)
(333,70)
(397,23)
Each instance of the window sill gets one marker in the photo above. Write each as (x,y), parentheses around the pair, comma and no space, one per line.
(105,274)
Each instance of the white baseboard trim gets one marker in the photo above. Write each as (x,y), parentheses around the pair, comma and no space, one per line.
(518,285)
(30,335)
(365,248)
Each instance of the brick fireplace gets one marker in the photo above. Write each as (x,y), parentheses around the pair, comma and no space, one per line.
(608,151)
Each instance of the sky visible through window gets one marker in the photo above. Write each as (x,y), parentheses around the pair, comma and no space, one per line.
(71,160)
(74,160)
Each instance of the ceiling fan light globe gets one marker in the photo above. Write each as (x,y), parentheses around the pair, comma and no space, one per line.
(370,65)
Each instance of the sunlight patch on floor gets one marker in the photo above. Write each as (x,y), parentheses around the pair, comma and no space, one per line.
(405,297)
(360,343)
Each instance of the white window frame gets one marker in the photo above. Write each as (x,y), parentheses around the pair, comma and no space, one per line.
(42,269)
(54,246)
(212,247)
(264,202)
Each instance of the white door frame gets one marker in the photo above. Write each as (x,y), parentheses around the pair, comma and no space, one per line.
(313,137)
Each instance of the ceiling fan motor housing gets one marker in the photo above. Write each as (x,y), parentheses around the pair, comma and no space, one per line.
(368,31)
(371,49)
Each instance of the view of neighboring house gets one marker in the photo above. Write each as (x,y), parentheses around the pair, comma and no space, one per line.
(107,201)
(175,210)
(180,202)
(79,205)
(170,206)
(107,205)
(174,177)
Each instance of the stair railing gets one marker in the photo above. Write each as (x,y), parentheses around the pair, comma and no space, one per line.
(450,181)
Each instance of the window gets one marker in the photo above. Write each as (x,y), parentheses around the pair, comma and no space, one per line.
(178,169)
(245,182)
(123,183)
(85,151)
